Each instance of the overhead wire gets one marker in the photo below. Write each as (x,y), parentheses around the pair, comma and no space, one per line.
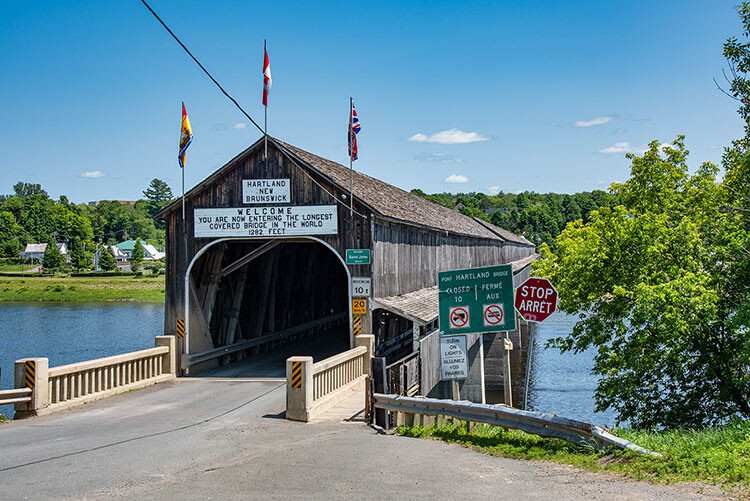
(242,110)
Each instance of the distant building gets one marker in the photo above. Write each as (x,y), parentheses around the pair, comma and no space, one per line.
(36,251)
(149,251)
(121,202)
(122,260)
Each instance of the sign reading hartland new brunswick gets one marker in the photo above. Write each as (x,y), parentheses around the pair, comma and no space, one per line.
(266,221)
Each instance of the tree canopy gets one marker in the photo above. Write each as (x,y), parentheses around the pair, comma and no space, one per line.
(661,283)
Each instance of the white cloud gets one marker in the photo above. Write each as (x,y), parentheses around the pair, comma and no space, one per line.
(240,125)
(623,147)
(494,190)
(452,136)
(445,158)
(92,174)
(593,122)
(456,178)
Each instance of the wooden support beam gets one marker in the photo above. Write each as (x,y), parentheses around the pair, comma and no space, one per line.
(234,312)
(249,257)
(263,300)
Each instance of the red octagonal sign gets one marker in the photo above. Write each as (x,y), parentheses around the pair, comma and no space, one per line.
(536,299)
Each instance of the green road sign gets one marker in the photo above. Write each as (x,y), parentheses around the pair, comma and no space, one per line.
(357,256)
(476,300)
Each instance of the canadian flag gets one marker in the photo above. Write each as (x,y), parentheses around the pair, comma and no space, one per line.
(266,76)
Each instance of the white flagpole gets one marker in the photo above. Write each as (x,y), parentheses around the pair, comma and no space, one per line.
(265,108)
(351,171)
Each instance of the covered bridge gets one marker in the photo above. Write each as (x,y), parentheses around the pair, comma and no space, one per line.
(260,260)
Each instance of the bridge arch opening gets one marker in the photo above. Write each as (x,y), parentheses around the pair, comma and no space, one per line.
(251,303)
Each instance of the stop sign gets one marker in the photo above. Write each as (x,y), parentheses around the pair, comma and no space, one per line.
(536,299)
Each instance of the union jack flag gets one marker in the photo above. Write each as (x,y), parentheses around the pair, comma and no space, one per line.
(354,129)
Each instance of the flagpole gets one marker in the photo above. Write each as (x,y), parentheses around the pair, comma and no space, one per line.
(183,185)
(265,110)
(351,171)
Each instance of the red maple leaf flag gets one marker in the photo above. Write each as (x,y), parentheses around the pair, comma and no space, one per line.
(266,76)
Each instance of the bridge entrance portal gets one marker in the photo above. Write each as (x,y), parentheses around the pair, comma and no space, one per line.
(254,302)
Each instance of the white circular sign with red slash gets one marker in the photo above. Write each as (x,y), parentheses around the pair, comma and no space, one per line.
(459,317)
(493,315)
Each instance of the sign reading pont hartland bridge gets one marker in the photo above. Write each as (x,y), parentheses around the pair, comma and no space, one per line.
(266,221)
(476,300)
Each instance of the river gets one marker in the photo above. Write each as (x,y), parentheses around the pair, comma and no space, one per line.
(67,333)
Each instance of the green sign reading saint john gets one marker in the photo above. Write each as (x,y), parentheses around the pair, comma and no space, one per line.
(476,300)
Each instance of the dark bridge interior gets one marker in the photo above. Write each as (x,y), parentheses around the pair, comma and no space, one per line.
(273,299)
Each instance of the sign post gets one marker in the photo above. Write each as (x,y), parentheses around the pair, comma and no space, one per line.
(536,300)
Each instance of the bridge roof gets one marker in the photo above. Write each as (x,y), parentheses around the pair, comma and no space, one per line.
(384,199)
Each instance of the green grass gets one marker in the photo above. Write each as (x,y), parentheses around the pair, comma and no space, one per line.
(16,268)
(718,455)
(3,418)
(82,289)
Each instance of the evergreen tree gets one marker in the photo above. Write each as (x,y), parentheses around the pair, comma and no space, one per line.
(78,257)
(107,261)
(52,257)
(136,258)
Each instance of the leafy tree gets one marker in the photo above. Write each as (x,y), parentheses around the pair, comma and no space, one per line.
(107,261)
(649,283)
(52,257)
(79,258)
(136,258)
(23,190)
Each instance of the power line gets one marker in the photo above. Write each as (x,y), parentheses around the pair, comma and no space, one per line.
(242,110)
(201,67)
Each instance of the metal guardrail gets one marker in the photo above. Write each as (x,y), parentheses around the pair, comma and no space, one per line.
(545,425)
(16,396)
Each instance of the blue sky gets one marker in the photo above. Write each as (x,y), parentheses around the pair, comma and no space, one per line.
(505,95)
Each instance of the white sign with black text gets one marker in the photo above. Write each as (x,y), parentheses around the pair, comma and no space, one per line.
(453,359)
(266,221)
(265,191)
(360,287)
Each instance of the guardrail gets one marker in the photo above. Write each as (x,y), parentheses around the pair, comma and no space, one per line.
(312,388)
(195,358)
(47,389)
(16,396)
(545,425)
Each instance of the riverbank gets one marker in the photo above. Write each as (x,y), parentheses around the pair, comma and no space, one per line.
(82,289)
(718,456)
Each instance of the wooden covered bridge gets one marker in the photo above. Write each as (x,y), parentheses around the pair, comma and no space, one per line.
(259,262)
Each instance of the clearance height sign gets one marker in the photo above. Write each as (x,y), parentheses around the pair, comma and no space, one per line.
(476,300)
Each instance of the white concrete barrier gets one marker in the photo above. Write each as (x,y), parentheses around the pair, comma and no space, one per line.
(312,388)
(55,388)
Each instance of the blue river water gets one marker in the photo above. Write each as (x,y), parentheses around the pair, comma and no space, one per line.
(67,333)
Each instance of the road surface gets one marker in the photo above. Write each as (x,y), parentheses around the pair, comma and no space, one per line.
(218,438)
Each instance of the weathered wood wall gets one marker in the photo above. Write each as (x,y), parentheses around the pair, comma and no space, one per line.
(406,258)
(224,189)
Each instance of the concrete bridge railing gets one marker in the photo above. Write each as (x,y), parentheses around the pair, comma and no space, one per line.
(55,388)
(312,388)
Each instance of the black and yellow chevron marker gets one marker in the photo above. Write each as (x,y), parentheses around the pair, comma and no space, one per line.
(29,373)
(180,328)
(357,326)
(296,374)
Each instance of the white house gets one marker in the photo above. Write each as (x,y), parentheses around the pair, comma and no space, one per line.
(36,251)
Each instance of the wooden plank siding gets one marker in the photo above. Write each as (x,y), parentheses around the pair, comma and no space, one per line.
(407,258)
(226,191)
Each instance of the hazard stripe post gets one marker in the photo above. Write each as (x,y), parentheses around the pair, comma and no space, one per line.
(32,373)
(180,328)
(357,325)
(299,388)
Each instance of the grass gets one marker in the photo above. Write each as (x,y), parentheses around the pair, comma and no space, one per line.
(82,289)
(718,455)
(16,268)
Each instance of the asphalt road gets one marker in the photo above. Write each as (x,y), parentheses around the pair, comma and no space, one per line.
(215,438)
